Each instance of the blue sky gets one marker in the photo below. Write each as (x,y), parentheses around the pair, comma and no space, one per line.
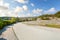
(25,8)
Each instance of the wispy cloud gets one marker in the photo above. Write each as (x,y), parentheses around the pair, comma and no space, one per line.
(51,10)
(37,11)
(18,9)
(32,4)
(4,7)
(25,7)
(22,1)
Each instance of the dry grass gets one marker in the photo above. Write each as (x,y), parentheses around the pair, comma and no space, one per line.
(53,25)
(43,23)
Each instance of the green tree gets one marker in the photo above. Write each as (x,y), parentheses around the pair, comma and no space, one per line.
(57,14)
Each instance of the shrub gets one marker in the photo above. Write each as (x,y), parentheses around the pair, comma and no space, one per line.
(1,25)
(6,22)
(45,18)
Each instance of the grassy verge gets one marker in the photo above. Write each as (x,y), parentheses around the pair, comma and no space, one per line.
(44,24)
(53,25)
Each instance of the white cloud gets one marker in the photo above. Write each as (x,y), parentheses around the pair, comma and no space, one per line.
(29,15)
(22,1)
(1,2)
(25,8)
(18,9)
(11,14)
(32,4)
(8,13)
(3,8)
(37,11)
(21,15)
(3,13)
(21,9)
(51,10)
(4,4)
(26,15)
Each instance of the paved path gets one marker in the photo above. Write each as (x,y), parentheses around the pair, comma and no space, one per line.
(8,34)
(26,32)
(21,31)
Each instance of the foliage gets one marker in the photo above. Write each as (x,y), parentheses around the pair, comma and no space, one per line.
(47,16)
(6,22)
(53,25)
(57,14)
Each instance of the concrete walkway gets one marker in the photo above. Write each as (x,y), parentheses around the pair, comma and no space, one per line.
(26,32)
(8,33)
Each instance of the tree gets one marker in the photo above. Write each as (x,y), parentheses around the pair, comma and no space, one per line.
(57,14)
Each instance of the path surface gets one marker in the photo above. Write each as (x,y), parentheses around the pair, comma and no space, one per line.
(26,32)
(8,34)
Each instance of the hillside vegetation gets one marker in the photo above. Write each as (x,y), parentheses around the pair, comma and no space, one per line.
(47,20)
(47,16)
(4,23)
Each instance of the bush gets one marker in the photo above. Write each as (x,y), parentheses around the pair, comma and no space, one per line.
(1,25)
(45,18)
(57,14)
(6,22)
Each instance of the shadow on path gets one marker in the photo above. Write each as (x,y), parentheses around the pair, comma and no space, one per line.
(3,39)
(5,28)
